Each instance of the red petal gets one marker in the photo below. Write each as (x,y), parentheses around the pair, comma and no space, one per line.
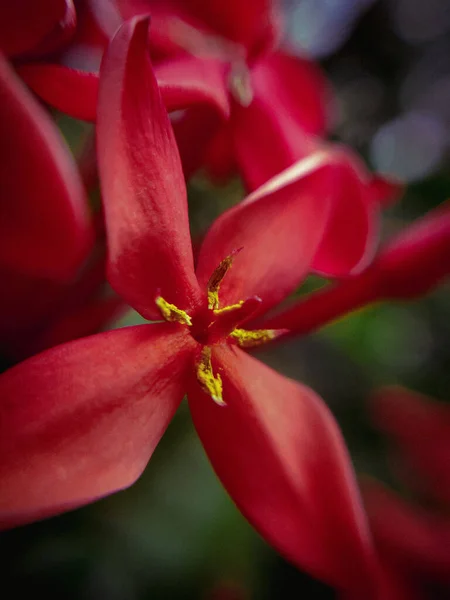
(81,420)
(185,81)
(142,181)
(71,91)
(417,541)
(30,27)
(385,191)
(412,264)
(248,23)
(295,85)
(421,428)
(280,227)
(269,140)
(280,455)
(44,224)
(418,258)
(351,239)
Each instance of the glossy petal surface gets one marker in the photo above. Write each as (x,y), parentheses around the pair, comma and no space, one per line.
(30,27)
(81,420)
(279,227)
(142,181)
(44,224)
(279,453)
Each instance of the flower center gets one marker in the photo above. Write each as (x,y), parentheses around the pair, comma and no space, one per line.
(215,324)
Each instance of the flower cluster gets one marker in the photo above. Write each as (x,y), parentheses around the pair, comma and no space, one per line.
(171,88)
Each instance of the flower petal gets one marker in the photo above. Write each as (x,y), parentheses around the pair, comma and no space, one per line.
(35,28)
(279,227)
(351,239)
(203,27)
(268,140)
(420,427)
(71,91)
(45,227)
(81,420)
(142,181)
(186,81)
(413,539)
(279,453)
(413,263)
(296,85)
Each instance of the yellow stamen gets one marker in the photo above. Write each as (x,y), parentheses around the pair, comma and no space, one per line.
(171,313)
(247,338)
(225,309)
(216,279)
(210,383)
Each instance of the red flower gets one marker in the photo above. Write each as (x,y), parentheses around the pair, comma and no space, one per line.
(81,420)
(57,52)
(414,542)
(278,105)
(410,265)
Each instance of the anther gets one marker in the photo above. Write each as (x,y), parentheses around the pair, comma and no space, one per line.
(210,383)
(216,279)
(171,313)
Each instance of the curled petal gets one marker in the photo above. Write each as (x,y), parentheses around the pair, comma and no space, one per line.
(279,453)
(187,81)
(45,228)
(279,227)
(35,28)
(268,139)
(351,238)
(81,420)
(142,181)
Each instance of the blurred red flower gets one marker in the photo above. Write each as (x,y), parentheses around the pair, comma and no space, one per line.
(414,541)
(278,105)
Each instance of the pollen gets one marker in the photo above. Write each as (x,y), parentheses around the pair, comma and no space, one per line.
(229,308)
(250,338)
(171,313)
(216,279)
(210,383)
